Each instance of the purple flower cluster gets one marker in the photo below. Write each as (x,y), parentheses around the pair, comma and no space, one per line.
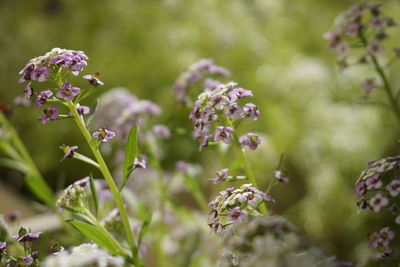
(236,204)
(54,65)
(74,194)
(120,110)
(39,68)
(354,24)
(213,108)
(381,241)
(196,72)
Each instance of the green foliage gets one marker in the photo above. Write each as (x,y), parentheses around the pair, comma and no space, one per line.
(131,152)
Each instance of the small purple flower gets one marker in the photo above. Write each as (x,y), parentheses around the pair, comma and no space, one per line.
(27,237)
(221,176)
(373,182)
(26,72)
(3,246)
(397,220)
(278,174)
(24,261)
(361,188)
(69,151)
(40,74)
(13,216)
(352,29)
(140,162)
(212,216)
(82,110)
(219,101)
(377,22)
(67,92)
(239,93)
(28,90)
(237,214)
(386,234)
(223,134)
(378,201)
(184,166)
(82,182)
(42,97)
(233,111)
(93,80)
(251,111)
(22,101)
(375,48)
(49,113)
(161,131)
(394,187)
(251,140)
(103,134)
(216,226)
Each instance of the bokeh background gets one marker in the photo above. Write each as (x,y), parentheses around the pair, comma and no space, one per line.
(311,112)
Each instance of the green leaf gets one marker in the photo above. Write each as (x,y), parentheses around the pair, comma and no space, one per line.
(131,152)
(144,228)
(40,188)
(85,159)
(95,235)
(94,194)
(13,164)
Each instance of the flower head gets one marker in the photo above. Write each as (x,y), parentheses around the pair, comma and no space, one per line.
(69,151)
(49,114)
(221,176)
(103,134)
(161,131)
(42,97)
(93,79)
(223,134)
(378,201)
(140,162)
(67,92)
(82,110)
(278,174)
(251,140)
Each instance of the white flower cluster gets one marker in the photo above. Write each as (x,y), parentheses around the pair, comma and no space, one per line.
(84,255)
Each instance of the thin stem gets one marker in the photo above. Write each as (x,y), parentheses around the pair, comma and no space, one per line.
(246,162)
(94,220)
(106,173)
(386,84)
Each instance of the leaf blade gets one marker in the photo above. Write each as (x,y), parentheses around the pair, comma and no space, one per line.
(131,152)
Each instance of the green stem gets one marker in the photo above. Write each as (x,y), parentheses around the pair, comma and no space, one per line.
(106,173)
(246,162)
(94,220)
(386,84)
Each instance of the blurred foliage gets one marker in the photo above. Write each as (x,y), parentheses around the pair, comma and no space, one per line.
(310,111)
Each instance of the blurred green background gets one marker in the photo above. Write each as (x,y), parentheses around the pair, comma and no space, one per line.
(310,111)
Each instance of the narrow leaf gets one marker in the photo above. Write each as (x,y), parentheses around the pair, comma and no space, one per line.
(145,227)
(131,152)
(95,235)
(85,159)
(94,194)
(40,188)
(13,164)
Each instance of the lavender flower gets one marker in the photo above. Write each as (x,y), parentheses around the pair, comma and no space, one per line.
(69,151)
(93,79)
(278,174)
(161,131)
(74,194)
(223,134)
(361,188)
(40,74)
(251,140)
(42,97)
(22,101)
(251,111)
(394,187)
(140,162)
(82,110)
(49,114)
(233,111)
(237,214)
(378,201)
(195,72)
(375,48)
(373,182)
(67,92)
(222,175)
(28,90)
(103,134)
(24,236)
